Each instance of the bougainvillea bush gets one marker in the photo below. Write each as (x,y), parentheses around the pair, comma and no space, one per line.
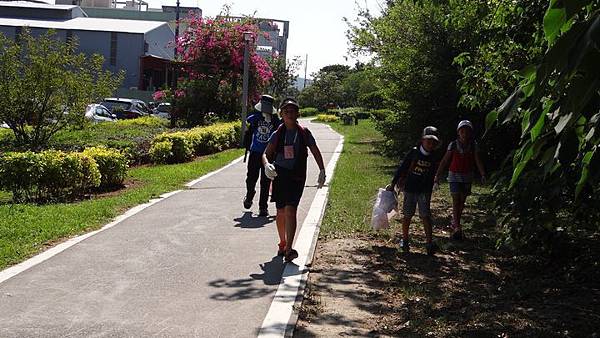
(211,56)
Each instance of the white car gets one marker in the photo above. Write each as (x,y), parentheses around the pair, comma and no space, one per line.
(163,110)
(98,113)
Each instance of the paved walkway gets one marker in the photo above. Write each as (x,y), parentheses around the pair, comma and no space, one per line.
(192,265)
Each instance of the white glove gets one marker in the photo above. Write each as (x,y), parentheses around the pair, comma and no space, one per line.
(321,180)
(270,171)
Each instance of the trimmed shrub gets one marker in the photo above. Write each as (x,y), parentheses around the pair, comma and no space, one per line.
(327,118)
(181,146)
(112,165)
(160,152)
(197,141)
(48,176)
(309,111)
(19,173)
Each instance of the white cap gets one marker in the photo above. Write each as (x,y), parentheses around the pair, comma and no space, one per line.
(465,123)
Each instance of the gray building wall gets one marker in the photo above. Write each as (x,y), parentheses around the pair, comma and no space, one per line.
(159,42)
(130,47)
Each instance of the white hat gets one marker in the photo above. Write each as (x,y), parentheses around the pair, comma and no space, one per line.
(465,123)
(265,105)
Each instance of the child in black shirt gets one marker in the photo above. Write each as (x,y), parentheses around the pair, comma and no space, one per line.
(415,177)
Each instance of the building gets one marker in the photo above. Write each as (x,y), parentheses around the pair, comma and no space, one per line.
(273,40)
(142,49)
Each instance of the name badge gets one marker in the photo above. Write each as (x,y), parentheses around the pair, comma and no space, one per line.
(288,152)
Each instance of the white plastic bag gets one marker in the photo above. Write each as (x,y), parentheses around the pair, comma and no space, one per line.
(384,209)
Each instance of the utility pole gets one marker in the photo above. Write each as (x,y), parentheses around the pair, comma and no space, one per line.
(305,69)
(174,71)
(247,39)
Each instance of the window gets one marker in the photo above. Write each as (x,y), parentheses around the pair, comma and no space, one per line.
(113,49)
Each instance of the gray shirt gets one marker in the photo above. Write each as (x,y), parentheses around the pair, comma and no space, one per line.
(291,137)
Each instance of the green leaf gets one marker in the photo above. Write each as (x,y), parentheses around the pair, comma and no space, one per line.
(562,123)
(509,106)
(537,128)
(528,72)
(554,19)
(520,166)
(525,122)
(585,172)
(490,119)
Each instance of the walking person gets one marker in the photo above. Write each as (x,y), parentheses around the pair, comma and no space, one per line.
(415,176)
(463,156)
(285,161)
(261,124)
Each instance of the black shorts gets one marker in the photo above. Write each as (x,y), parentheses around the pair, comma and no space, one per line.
(287,190)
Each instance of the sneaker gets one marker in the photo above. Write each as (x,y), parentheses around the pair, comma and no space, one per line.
(281,249)
(431,248)
(405,246)
(457,235)
(247,202)
(263,213)
(291,255)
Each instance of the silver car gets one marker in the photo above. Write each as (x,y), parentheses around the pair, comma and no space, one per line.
(98,113)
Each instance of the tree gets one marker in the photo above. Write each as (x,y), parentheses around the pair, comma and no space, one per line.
(413,47)
(45,86)
(554,174)
(281,84)
(212,63)
(327,87)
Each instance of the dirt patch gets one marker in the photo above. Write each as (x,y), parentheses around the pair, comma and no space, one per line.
(363,286)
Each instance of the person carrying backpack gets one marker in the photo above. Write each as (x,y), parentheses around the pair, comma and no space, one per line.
(463,157)
(261,125)
(285,161)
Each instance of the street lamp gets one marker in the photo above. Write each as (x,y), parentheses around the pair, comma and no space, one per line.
(248,37)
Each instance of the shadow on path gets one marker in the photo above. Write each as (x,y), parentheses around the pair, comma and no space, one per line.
(248,221)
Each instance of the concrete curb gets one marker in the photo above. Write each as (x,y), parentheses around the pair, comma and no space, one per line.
(282,316)
(41,257)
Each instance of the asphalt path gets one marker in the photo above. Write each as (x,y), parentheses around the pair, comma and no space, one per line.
(195,264)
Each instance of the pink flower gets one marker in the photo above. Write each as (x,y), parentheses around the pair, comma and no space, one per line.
(158,95)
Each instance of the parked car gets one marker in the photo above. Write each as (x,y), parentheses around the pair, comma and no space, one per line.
(163,110)
(98,113)
(126,108)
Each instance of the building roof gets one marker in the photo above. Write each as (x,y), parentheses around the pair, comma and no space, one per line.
(87,24)
(27,4)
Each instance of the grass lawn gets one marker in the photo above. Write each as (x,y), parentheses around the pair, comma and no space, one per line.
(26,229)
(360,171)
(360,284)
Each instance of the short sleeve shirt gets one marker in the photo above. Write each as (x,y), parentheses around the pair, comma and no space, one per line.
(262,131)
(291,137)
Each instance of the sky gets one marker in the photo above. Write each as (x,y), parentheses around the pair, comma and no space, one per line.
(316,27)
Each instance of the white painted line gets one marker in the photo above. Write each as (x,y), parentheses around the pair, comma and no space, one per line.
(35,260)
(281,317)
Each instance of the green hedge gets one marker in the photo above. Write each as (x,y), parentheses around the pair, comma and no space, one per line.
(48,176)
(194,142)
(160,152)
(308,111)
(112,165)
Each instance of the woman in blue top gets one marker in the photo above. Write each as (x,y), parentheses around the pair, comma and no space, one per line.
(285,162)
